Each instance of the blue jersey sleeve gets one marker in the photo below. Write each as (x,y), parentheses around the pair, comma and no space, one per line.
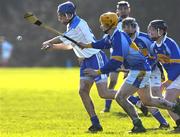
(111,66)
(172,73)
(174,49)
(169,55)
(173,68)
(117,56)
(104,43)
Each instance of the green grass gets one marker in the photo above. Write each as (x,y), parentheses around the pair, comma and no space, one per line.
(37,102)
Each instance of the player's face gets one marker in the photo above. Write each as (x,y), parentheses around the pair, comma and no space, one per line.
(123,11)
(104,28)
(152,32)
(130,30)
(63,19)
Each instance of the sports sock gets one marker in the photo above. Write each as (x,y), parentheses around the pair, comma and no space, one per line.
(159,117)
(134,100)
(108,103)
(137,122)
(95,120)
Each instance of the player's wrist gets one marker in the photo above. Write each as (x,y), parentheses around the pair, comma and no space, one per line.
(89,45)
(47,46)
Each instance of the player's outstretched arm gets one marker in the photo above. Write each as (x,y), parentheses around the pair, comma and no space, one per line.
(61,46)
(99,44)
(49,44)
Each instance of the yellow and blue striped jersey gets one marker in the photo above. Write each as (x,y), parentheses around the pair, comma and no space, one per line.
(168,53)
(144,43)
(124,51)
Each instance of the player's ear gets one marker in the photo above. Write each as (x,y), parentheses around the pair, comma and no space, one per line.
(160,32)
(69,16)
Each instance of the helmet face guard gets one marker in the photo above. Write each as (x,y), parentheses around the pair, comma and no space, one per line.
(158,24)
(130,22)
(109,20)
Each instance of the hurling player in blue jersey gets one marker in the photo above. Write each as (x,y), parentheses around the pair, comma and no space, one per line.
(144,43)
(126,51)
(79,30)
(123,11)
(167,52)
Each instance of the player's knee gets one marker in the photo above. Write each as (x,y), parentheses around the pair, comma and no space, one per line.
(119,97)
(156,92)
(147,101)
(103,94)
(170,96)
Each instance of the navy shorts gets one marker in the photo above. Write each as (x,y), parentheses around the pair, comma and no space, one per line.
(95,62)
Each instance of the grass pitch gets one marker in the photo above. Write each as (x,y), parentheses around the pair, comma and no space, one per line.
(44,102)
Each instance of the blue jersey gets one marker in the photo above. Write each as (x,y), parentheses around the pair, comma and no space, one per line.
(144,43)
(6,50)
(124,51)
(168,53)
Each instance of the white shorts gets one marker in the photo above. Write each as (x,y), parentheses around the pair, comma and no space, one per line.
(175,84)
(138,78)
(155,78)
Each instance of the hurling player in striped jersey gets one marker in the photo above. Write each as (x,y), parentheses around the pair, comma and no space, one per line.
(167,51)
(126,51)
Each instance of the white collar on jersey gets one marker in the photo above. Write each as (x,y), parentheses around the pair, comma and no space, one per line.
(162,41)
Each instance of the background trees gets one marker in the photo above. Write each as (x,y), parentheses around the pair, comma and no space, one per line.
(27,52)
